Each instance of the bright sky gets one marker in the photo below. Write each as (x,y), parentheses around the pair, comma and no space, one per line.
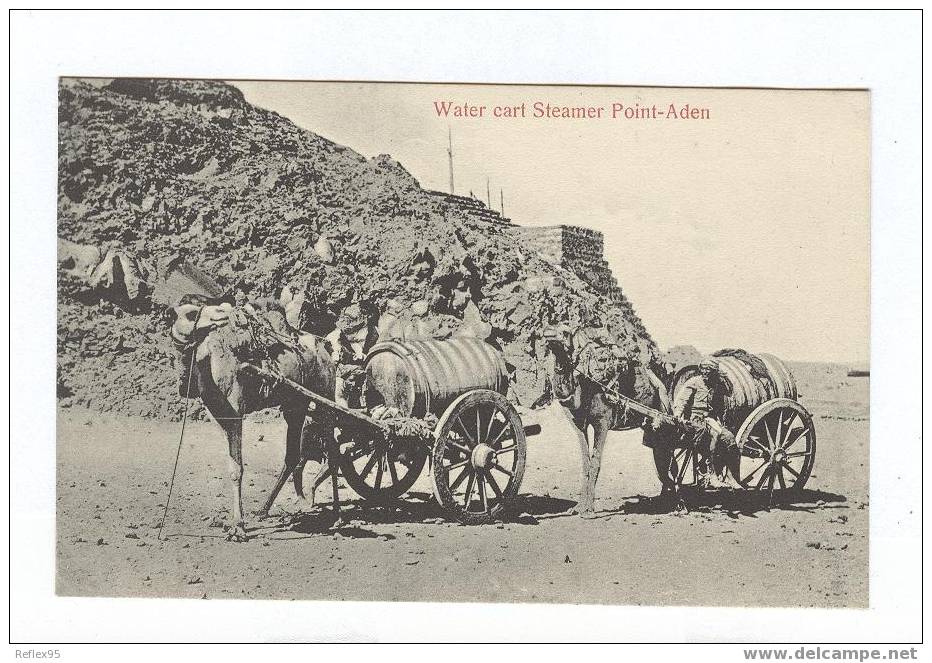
(747,229)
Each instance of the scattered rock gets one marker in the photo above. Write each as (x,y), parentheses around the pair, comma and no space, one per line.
(309,216)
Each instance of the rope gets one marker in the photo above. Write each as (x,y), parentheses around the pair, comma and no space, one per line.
(184,420)
(625,400)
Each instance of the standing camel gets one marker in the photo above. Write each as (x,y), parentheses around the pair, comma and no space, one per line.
(586,406)
(229,393)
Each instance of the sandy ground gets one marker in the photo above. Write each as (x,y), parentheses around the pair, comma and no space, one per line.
(113,477)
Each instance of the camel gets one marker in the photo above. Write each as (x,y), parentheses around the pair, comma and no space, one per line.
(229,393)
(585,404)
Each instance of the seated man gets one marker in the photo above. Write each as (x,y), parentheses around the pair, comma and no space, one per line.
(701,402)
(353,336)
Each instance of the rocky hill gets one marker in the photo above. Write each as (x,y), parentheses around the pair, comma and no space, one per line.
(161,168)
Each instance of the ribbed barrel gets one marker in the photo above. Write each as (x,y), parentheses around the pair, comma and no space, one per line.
(754,379)
(418,377)
(783,380)
(747,391)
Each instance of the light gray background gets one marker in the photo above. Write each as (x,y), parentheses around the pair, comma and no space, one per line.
(878,51)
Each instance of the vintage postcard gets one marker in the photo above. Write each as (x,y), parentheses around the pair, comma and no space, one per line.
(463,343)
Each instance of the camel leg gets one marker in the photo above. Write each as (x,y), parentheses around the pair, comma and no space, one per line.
(599,434)
(295,421)
(222,400)
(321,476)
(332,462)
(579,427)
(308,440)
(582,438)
(233,426)
(298,478)
(663,457)
(311,444)
(732,460)
(662,448)
(670,496)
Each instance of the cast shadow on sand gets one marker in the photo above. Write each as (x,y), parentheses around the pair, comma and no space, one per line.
(413,508)
(420,508)
(729,502)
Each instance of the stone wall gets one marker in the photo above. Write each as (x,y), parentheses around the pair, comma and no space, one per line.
(574,248)
(474,206)
(580,250)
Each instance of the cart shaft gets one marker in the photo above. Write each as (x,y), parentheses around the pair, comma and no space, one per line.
(316,399)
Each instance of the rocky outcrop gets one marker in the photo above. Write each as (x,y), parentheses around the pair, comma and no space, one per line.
(154,169)
(580,250)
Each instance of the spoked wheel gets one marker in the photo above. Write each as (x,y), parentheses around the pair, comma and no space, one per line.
(382,470)
(778,447)
(478,457)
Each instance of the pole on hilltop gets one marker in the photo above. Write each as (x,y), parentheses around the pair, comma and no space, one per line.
(450,155)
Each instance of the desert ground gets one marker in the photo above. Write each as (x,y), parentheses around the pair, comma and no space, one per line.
(729,548)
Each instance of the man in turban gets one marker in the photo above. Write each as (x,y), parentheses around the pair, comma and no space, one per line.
(701,402)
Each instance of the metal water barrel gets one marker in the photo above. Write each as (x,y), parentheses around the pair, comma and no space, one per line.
(783,380)
(747,390)
(422,376)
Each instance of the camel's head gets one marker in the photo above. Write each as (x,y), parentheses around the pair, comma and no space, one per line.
(558,340)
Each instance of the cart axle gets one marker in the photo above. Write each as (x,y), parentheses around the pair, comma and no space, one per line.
(482,457)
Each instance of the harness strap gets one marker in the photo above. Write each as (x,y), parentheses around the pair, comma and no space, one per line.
(624,400)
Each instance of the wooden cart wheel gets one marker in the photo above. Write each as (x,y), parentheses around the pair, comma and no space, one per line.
(478,456)
(381,470)
(778,446)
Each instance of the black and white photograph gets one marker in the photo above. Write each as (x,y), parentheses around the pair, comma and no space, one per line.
(455,393)
(342,339)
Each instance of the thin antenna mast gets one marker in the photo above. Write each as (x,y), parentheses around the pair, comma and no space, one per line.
(450,155)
